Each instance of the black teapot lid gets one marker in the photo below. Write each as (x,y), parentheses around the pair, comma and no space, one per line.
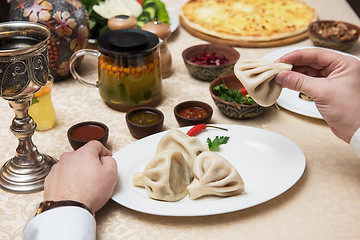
(128,41)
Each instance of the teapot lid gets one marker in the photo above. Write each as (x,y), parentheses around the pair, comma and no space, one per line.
(128,41)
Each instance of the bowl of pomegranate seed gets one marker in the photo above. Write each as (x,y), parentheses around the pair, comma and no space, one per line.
(209,61)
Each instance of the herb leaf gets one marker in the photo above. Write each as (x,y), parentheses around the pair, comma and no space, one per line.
(34,100)
(215,144)
(97,24)
(232,95)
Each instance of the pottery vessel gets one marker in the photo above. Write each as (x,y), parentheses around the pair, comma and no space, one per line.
(83,132)
(210,72)
(337,35)
(142,130)
(69,24)
(184,121)
(231,109)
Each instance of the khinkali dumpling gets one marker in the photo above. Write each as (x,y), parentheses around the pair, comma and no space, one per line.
(165,177)
(257,75)
(176,140)
(214,175)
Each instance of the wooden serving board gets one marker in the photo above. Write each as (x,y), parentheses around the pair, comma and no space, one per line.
(247,44)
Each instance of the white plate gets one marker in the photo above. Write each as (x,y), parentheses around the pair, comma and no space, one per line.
(289,99)
(268,163)
(174,21)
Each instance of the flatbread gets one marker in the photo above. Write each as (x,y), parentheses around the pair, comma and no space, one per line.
(248,20)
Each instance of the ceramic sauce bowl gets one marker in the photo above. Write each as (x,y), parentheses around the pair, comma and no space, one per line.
(144,121)
(83,132)
(232,109)
(192,112)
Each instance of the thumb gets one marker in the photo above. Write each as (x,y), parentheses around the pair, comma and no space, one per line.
(108,161)
(297,82)
(109,168)
(109,164)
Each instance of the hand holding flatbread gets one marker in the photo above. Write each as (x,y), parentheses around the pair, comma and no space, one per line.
(257,76)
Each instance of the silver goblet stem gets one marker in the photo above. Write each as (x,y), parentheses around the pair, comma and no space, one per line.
(26,171)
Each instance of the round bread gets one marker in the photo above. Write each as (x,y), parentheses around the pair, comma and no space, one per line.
(248,20)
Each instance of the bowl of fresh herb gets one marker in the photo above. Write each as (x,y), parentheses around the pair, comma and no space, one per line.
(232,99)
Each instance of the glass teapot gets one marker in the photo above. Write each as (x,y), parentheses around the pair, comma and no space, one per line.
(129,73)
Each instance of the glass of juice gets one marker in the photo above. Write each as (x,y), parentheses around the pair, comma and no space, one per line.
(42,109)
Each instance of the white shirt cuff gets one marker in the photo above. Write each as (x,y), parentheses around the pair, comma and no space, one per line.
(355,142)
(70,223)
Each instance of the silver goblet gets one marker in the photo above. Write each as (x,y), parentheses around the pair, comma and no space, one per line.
(24,69)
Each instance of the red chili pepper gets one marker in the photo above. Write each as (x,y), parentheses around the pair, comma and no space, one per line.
(243,91)
(199,128)
(196,129)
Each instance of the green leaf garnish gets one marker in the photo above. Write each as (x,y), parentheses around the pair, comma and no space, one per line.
(215,144)
(232,95)
(34,100)
(97,24)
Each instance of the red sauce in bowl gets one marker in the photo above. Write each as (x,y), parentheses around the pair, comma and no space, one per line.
(88,132)
(193,112)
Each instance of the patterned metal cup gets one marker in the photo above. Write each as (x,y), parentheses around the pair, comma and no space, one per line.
(24,58)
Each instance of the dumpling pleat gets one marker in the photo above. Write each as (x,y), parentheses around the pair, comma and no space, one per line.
(214,176)
(257,76)
(176,140)
(166,176)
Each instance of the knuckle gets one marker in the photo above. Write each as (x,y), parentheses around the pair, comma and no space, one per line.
(297,83)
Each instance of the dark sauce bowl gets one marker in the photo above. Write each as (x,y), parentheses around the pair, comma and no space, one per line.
(184,120)
(83,132)
(144,121)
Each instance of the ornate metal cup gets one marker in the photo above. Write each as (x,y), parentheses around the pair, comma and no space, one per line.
(24,69)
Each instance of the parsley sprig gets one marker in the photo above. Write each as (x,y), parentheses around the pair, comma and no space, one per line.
(34,100)
(232,95)
(215,144)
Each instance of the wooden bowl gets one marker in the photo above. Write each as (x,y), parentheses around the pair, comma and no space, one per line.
(336,35)
(190,117)
(144,121)
(83,132)
(232,109)
(210,72)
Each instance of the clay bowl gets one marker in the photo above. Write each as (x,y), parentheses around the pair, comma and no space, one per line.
(83,132)
(232,109)
(144,121)
(210,72)
(192,112)
(336,35)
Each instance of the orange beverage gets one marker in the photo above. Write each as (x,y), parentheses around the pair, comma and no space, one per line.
(42,109)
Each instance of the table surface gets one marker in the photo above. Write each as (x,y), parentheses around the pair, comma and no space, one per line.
(323,204)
